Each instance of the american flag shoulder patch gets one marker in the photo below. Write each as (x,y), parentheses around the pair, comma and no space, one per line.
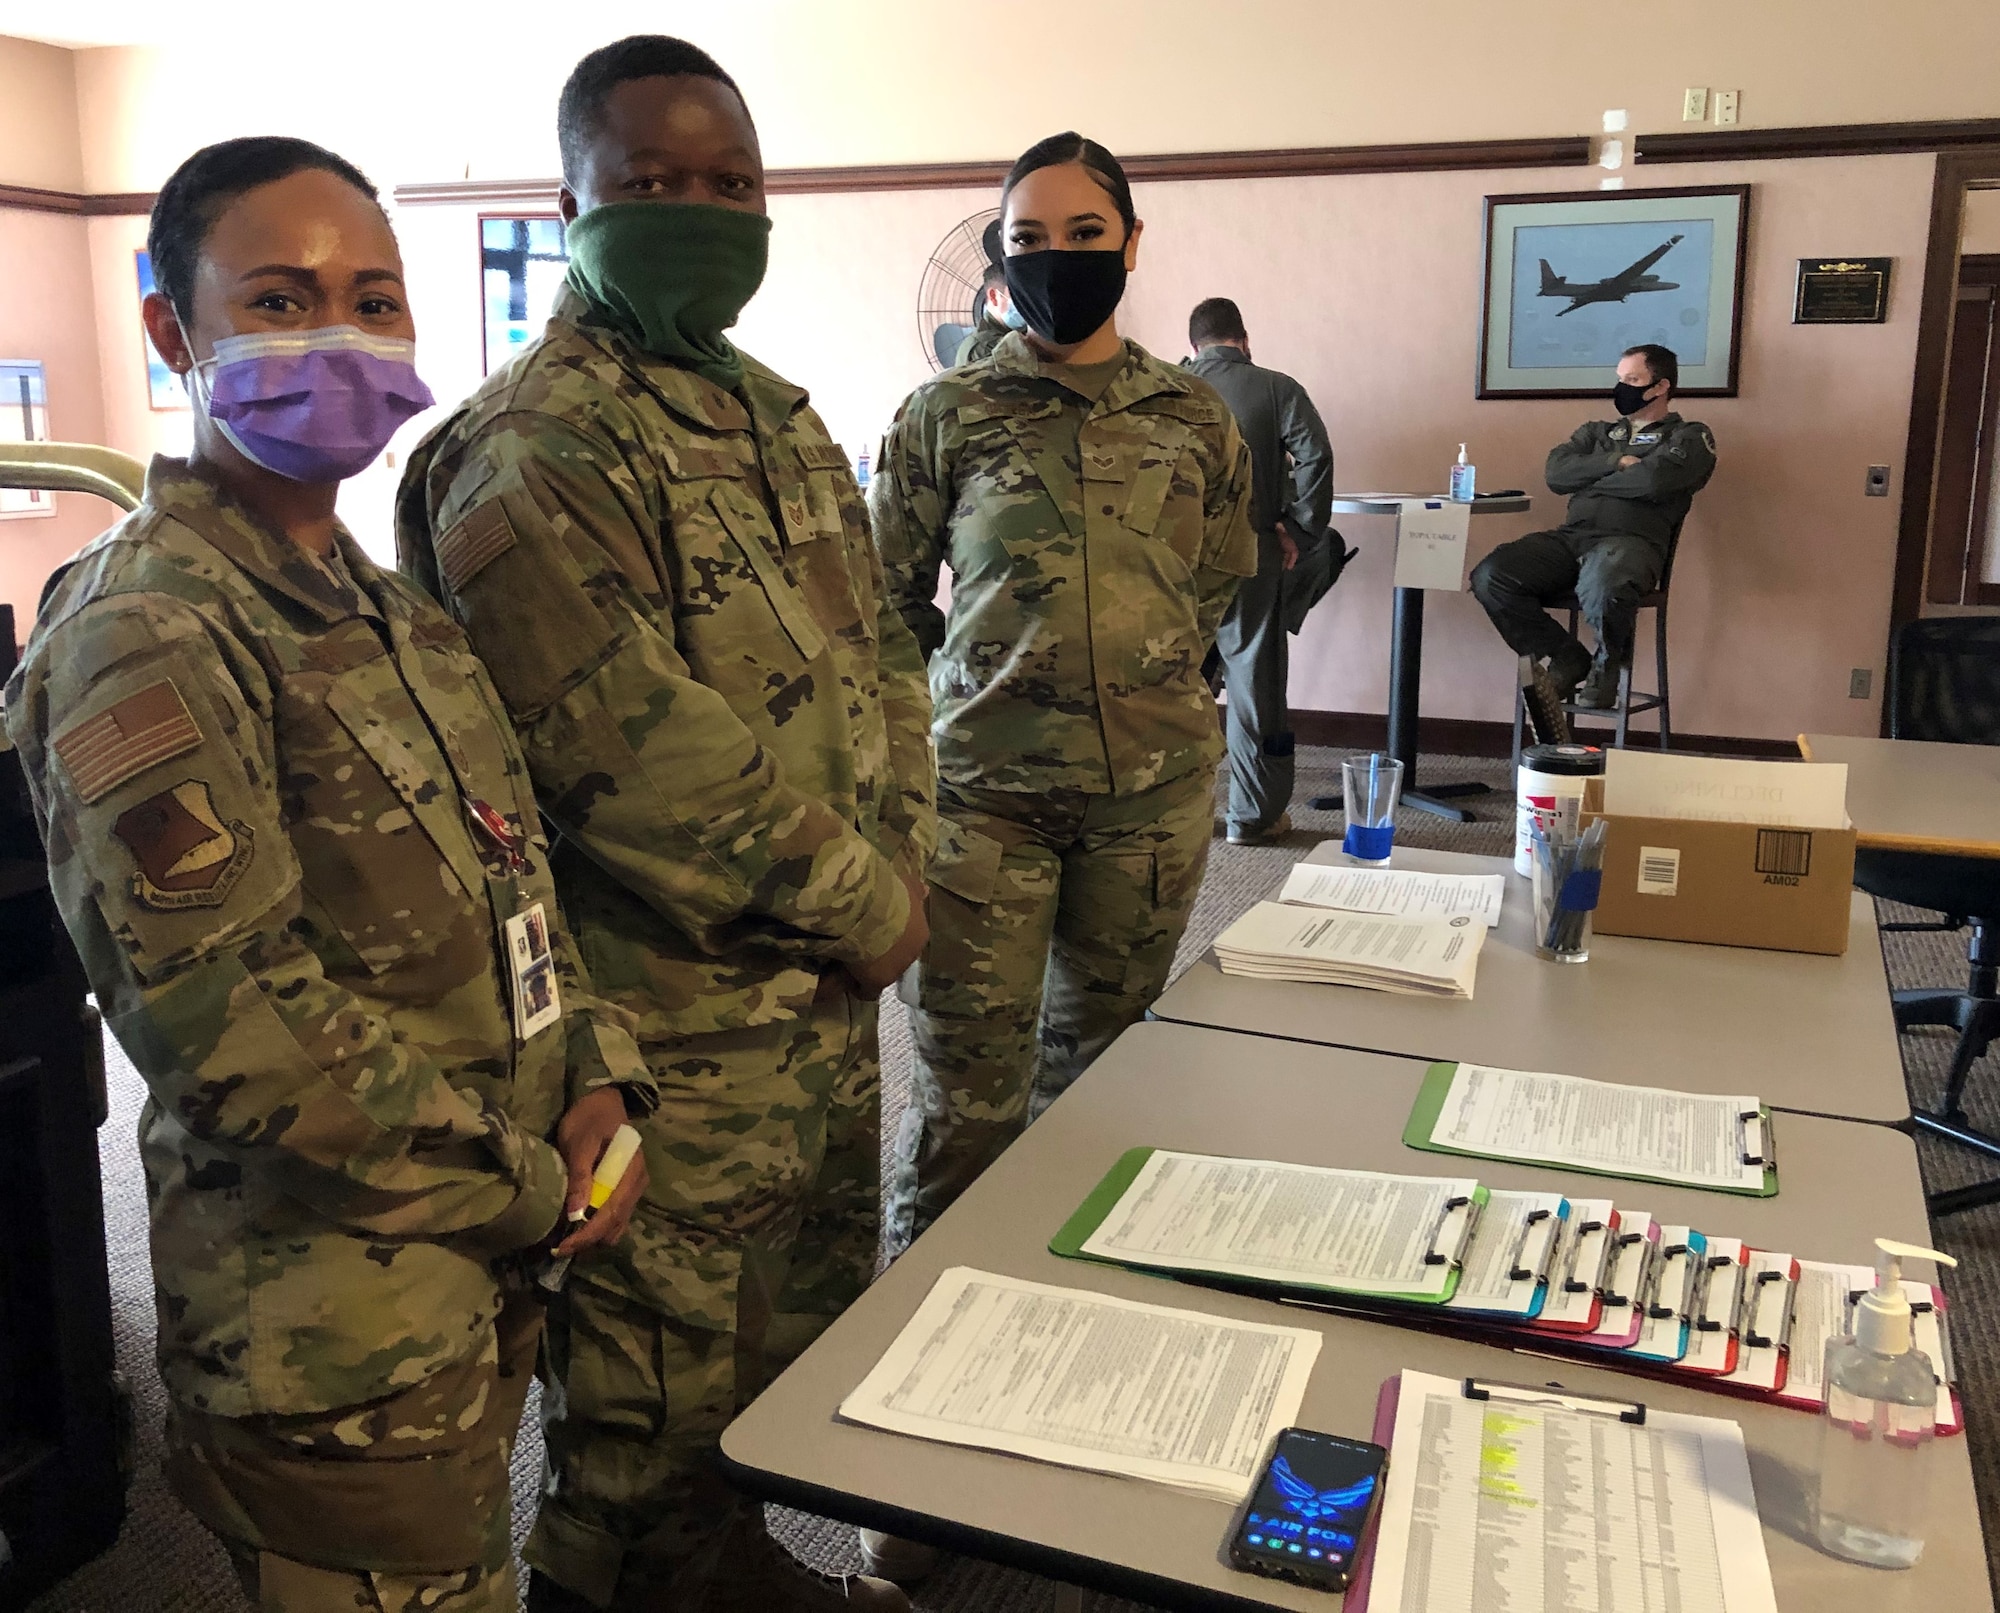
(141,731)
(474,544)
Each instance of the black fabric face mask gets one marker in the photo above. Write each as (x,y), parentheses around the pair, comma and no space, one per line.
(1629,399)
(1065,296)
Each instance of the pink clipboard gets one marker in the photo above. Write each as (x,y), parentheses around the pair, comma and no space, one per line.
(1355,1599)
(1626,1332)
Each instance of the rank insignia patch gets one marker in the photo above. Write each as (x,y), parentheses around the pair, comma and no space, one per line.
(187,856)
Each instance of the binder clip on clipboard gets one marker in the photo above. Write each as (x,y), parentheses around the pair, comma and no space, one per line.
(1552,1398)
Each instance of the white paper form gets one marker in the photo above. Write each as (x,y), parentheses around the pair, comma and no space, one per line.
(1820,1312)
(1430,543)
(1500,1506)
(1414,957)
(1507,1265)
(1767,1321)
(1581,1268)
(1684,1137)
(1086,1380)
(1302,1224)
(1399,892)
(1650,784)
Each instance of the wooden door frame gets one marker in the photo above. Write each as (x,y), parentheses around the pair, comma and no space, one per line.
(1955,170)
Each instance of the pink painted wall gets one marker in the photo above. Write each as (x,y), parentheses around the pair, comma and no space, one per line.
(46,314)
(1368,290)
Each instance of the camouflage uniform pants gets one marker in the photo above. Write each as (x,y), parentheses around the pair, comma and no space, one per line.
(759,1227)
(1054,922)
(397,1506)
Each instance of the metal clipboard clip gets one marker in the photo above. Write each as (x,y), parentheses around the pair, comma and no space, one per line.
(1764,1141)
(1656,1311)
(1525,1394)
(1433,1254)
(1641,1281)
(1754,1337)
(1571,1283)
(1705,1320)
(1518,1273)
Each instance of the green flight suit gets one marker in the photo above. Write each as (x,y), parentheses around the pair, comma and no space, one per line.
(673,588)
(1095,538)
(256,774)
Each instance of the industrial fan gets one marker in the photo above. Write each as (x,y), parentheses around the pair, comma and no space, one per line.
(948,295)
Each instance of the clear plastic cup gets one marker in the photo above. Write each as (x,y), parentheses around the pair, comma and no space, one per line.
(1370,787)
(1565,896)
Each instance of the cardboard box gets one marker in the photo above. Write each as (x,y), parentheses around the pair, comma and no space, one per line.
(1728,884)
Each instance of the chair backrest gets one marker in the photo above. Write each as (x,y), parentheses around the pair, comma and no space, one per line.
(1944,680)
(1673,548)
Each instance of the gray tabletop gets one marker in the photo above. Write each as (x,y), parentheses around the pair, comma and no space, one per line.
(1801,1031)
(1174,1086)
(1913,795)
(1392,503)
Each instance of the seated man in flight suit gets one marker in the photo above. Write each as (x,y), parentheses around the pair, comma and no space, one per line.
(1630,483)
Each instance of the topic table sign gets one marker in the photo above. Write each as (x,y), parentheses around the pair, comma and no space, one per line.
(1430,544)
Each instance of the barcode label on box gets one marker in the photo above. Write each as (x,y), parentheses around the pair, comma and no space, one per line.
(1784,851)
(1659,870)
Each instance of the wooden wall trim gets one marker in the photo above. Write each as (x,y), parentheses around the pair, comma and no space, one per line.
(26,198)
(1305,161)
(1463,736)
(1820,140)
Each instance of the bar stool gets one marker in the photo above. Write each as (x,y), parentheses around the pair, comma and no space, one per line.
(1630,701)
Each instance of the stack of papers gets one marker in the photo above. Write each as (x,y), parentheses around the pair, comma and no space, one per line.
(1404,893)
(1086,1380)
(1414,957)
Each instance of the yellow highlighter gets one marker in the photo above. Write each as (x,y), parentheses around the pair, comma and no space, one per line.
(618,1154)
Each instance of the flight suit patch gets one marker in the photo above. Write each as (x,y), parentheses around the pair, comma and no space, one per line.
(141,731)
(474,544)
(187,856)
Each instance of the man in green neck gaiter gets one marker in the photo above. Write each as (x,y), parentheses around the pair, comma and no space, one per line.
(666,565)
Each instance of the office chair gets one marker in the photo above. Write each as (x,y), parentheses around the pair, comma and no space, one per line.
(1944,685)
(1630,702)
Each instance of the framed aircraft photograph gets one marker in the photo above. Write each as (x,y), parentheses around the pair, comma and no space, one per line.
(1574,278)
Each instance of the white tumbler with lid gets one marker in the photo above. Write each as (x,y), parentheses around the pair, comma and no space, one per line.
(1549,787)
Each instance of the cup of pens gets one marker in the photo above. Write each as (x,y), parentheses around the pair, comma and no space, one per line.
(1569,868)
(1370,788)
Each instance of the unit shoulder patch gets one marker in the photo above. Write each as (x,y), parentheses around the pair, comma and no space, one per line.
(468,548)
(144,729)
(187,856)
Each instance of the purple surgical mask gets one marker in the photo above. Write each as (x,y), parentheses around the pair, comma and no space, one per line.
(310,405)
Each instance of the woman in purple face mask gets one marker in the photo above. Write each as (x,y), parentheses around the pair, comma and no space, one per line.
(298,852)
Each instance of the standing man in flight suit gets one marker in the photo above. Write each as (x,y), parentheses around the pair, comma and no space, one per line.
(1291,465)
(665,563)
(1631,482)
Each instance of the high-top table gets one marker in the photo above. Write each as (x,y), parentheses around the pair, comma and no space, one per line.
(1914,795)
(1406,662)
(1171,1086)
(1803,1032)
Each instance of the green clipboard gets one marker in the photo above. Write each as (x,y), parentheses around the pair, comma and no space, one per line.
(1069,1240)
(1430,1104)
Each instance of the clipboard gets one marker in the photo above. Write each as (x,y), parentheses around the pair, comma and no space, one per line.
(1715,1329)
(1449,1240)
(1628,1283)
(1669,1309)
(1575,1299)
(1758,1141)
(1764,1347)
(1530,1259)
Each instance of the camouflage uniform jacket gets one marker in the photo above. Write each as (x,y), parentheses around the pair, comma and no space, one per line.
(254,784)
(1647,500)
(678,600)
(1093,548)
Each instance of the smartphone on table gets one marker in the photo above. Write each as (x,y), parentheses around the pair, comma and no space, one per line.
(1307,1514)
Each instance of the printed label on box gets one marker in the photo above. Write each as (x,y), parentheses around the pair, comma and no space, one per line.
(1659,870)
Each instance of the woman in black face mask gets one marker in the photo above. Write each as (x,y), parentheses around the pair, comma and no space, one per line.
(1093,506)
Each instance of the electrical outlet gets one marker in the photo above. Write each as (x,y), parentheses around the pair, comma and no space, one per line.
(1859,682)
(1877,485)
(1725,107)
(1694,105)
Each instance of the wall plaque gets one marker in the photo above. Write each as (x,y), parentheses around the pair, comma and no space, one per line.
(1842,291)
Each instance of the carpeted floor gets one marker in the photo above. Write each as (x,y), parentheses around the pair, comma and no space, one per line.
(164,1563)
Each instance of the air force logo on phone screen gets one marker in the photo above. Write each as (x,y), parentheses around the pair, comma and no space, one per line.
(1308,1501)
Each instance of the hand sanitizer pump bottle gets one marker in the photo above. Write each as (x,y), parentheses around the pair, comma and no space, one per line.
(1881,1415)
(1461,479)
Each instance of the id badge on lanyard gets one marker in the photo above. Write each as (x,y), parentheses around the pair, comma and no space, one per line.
(531,964)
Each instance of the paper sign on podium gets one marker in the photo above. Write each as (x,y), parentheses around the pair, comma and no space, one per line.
(1430,544)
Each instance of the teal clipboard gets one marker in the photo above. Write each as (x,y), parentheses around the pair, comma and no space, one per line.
(1430,1104)
(1103,1198)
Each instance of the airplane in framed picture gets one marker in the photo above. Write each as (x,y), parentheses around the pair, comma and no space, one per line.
(1612,288)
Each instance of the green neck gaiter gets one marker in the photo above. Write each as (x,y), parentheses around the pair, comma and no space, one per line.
(673,276)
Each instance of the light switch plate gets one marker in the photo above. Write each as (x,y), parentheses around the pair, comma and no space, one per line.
(1859,682)
(1725,107)
(1878,481)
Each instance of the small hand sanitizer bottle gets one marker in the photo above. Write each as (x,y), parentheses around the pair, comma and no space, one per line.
(1461,479)
(1881,1416)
